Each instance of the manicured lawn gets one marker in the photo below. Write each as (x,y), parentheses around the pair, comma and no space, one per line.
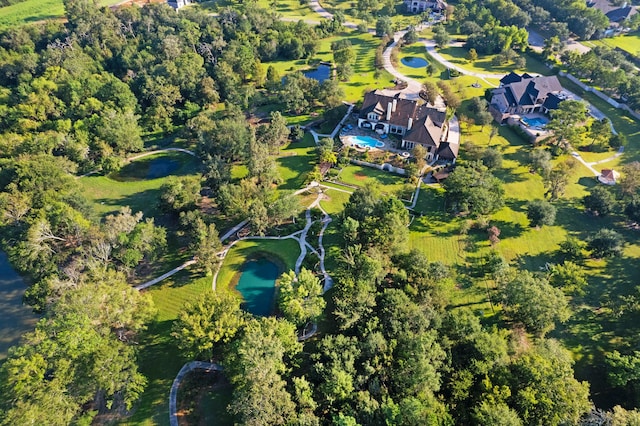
(627,42)
(159,357)
(621,121)
(29,11)
(594,329)
(419,51)
(457,55)
(129,186)
(296,160)
(334,201)
(362,79)
(361,176)
(285,251)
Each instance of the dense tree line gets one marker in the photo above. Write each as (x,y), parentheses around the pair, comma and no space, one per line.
(581,20)
(392,353)
(494,26)
(609,70)
(77,97)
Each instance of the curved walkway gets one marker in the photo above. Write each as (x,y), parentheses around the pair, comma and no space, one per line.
(173,395)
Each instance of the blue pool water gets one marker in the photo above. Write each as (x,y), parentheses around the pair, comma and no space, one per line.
(257,285)
(366,141)
(322,73)
(414,62)
(535,121)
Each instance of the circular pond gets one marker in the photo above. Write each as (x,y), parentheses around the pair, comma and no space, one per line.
(414,62)
(257,284)
(322,73)
(153,167)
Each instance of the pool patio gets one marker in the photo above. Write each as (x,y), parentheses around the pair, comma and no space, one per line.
(386,143)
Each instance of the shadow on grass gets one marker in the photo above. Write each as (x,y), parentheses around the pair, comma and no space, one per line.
(144,201)
(159,362)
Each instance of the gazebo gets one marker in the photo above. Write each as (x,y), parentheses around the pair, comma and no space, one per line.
(608,176)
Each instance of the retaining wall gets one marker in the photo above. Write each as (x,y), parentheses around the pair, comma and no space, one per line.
(601,95)
(385,167)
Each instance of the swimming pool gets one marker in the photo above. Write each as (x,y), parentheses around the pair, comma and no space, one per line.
(365,142)
(535,121)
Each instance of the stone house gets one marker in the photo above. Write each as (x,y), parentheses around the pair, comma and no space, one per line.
(412,120)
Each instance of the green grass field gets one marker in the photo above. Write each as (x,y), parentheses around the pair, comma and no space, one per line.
(296,160)
(457,55)
(159,357)
(129,187)
(628,42)
(361,176)
(30,11)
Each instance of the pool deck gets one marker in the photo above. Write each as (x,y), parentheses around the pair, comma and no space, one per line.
(356,131)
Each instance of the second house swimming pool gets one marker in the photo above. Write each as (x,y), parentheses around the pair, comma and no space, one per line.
(535,121)
(364,142)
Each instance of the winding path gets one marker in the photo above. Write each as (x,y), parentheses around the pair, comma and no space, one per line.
(173,395)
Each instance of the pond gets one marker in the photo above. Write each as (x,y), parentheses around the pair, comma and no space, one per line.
(16,318)
(153,167)
(322,73)
(414,62)
(257,285)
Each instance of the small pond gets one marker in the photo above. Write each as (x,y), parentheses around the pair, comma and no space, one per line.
(149,168)
(16,318)
(414,62)
(322,73)
(257,284)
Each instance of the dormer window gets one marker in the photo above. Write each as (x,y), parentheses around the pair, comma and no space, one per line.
(373,117)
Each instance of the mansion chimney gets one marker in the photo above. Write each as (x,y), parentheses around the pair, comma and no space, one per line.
(395,104)
(389,109)
(410,123)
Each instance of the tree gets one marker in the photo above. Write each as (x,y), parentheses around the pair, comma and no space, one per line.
(541,212)
(472,55)
(566,119)
(496,414)
(494,234)
(419,152)
(81,353)
(630,180)
(568,276)
(300,298)
(535,303)
(212,319)
(473,189)
(180,193)
(491,158)
(430,92)
(600,131)
(600,201)
(558,179)
(441,36)
(571,249)
(632,210)
(411,36)
(605,243)
(384,27)
(543,387)
(205,243)
(540,160)
(255,364)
